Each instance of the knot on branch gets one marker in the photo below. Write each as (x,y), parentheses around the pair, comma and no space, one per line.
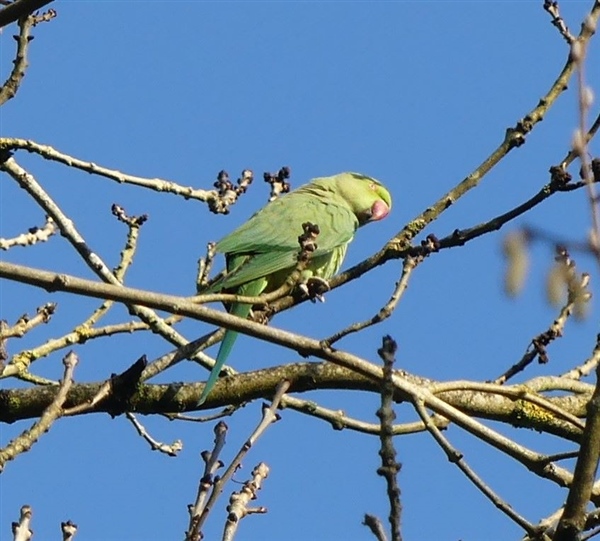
(515,137)
(559,176)
(124,385)
(430,244)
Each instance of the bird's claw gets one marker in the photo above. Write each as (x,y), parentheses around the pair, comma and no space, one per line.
(315,288)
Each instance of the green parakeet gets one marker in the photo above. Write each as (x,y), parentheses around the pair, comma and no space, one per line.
(262,252)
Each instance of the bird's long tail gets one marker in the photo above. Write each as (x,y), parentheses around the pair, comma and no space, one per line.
(240,310)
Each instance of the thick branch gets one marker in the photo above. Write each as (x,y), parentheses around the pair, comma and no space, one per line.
(573,519)
(20,8)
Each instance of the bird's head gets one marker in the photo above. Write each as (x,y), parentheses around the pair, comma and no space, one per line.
(370,200)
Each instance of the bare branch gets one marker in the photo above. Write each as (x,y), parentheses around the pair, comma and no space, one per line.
(225,412)
(211,197)
(238,502)
(551,6)
(457,458)
(588,366)
(389,468)
(409,264)
(171,450)
(204,266)
(269,417)
(26,323)
(374,524)
(25,440)
(92,259)
(33,236)
(21,530)
(538,345)
(211,464)
(11,86)
(573,519)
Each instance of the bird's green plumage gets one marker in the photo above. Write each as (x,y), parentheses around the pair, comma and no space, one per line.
(262,252)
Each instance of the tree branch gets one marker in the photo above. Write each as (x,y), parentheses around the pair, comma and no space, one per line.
(20,8)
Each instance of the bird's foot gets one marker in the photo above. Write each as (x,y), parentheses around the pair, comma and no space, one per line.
(315,288)
(261,316)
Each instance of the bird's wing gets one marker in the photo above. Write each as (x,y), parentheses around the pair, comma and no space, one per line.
(268,242)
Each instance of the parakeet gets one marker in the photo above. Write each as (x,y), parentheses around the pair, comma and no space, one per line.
(261,253)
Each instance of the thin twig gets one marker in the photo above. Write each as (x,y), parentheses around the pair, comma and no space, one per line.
(35,379)
(211,464)
(21,530)
(588,366)
(171,450)
(537,348)
(80,335)
(103,392)
(26,439)
(191,350)
(93,260)
(269,416)
(551,6)
(134,224)
(11,86)
(33,236)
(374,524)
(84,332)
(571,155)
(119,387)
(225,412)
(238,502)
(389,467)
(26,323)
(409,264)
(218,199)
(457,458)
(204,266)
(339,420)
(560,181)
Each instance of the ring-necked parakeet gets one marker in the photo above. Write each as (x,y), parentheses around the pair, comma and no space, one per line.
(262,252)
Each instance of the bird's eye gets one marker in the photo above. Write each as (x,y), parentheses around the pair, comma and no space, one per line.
(373,186)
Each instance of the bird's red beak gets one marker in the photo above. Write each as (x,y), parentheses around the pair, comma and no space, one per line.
(379,210)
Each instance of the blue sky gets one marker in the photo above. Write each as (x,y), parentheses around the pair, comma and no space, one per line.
(416,94)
